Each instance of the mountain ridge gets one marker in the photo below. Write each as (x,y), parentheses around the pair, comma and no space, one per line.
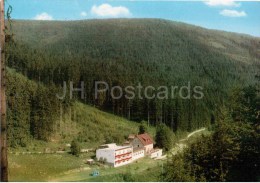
(159,19)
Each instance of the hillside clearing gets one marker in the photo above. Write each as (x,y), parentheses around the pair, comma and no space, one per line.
(65,167)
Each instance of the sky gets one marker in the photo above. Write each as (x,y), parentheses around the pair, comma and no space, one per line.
(228,15)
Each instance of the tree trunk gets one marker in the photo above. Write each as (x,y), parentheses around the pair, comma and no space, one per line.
(4,162)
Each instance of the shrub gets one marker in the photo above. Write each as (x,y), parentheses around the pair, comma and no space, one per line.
(75,148)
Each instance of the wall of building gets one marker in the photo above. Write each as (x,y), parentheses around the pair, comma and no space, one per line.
(115,157)
(126,161)
(136,143)
(123,151)
(138,154)
(108,154)
(148,148)
(156,154)
(123,156)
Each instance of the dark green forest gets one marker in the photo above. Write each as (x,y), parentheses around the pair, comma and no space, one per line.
(232,152)
(123,52)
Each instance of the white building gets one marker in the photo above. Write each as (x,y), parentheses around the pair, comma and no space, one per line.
(115,155)
(136,147)
(156,153)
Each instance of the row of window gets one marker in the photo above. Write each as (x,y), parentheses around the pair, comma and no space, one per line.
(122,161)
(124,156)
(122,152)
(138,153)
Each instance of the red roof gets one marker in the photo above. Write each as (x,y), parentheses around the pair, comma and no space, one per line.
(145,139)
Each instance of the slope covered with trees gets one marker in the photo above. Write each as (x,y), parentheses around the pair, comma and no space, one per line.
(232,152)
(127,52)
(35,113)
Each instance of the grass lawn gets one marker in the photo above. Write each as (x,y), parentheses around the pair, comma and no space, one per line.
(40,167)
(65,167)
(144,169)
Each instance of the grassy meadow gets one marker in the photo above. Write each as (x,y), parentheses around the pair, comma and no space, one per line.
(65,167)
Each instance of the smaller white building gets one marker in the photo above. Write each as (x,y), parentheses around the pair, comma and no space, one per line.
(156,153)
(115,155)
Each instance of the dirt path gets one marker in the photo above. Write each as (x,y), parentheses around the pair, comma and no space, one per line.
(181,144)
(195,132)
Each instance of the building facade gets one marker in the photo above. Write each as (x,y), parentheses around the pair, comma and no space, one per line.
(138,153)
(143,141)
(136,147)
(156,153)
(115,155)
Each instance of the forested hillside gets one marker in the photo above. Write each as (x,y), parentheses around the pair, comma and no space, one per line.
(127,52)
(35,113)
(232,152)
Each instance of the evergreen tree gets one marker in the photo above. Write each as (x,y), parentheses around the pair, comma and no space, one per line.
(164,137)
(75,148)
(142,128)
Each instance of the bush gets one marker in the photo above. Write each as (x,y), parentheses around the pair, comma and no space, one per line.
(75,148)
(128,177)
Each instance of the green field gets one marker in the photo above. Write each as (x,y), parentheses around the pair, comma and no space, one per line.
(65,167)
